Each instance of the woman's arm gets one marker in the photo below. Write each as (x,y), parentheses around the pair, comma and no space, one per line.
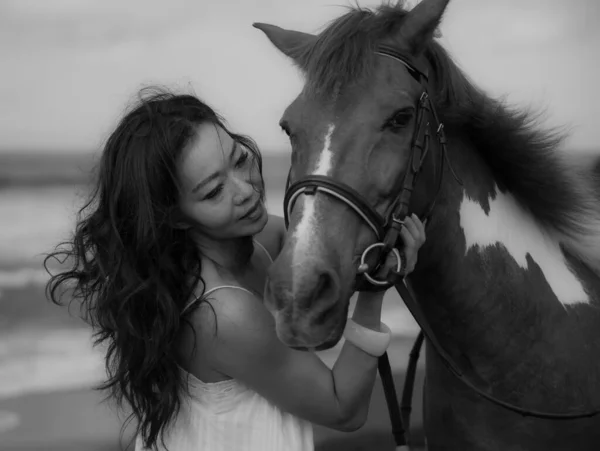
(236,336)
(354,371)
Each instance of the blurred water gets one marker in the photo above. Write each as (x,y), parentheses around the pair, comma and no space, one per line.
(34,219)
(42,349)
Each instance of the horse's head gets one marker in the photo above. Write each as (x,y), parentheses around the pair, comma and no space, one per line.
(355,124)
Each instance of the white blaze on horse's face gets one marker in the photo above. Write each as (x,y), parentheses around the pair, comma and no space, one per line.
(509,225)
(307,225)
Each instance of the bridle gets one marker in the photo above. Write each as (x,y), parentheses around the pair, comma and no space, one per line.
(387,231)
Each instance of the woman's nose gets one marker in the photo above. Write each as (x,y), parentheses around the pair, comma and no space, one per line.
(244,190)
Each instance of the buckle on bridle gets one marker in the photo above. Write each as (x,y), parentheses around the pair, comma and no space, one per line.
(310,190)
(441,134)
(363,268)
(400,222)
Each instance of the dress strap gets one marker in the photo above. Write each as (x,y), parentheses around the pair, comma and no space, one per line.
(264,249)
(193,301)
(212,290)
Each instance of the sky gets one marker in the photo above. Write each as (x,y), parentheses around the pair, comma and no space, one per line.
(70,68)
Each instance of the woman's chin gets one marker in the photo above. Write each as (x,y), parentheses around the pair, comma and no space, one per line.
(260,222)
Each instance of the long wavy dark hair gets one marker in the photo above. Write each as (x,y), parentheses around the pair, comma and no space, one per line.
(129,264)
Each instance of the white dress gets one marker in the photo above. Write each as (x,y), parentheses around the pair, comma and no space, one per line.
(228,416)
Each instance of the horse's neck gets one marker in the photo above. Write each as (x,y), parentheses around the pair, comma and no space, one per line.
(492,282)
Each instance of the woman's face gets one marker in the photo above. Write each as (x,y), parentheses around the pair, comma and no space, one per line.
(221,187)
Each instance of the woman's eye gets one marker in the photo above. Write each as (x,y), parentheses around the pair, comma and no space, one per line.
(214,193)
(242,160)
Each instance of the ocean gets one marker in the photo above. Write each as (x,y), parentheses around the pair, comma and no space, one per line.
(43,348)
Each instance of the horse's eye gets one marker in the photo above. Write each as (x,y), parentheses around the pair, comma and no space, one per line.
(399,120)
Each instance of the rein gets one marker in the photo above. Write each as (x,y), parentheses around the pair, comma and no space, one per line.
(387,233)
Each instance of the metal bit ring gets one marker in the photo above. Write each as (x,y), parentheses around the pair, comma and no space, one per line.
(364,267)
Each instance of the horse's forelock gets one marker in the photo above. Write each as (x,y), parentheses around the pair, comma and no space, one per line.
(343,51)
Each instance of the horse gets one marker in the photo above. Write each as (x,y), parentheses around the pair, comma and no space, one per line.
(508,281)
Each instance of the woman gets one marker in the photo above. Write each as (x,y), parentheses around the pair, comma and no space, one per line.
(169,261)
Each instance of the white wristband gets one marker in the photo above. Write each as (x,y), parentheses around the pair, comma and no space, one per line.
(370,341)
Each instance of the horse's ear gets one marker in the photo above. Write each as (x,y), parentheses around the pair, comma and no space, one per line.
(290,42)
(420,24)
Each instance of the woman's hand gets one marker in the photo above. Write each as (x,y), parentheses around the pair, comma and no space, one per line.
(413,235)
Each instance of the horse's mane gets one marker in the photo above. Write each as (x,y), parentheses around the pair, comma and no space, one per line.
(522,156)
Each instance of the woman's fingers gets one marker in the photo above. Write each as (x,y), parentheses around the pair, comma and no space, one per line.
(415,227)
(413,237)
(410,242)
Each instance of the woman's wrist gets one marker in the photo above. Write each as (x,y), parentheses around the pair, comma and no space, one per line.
(373,342)
(367,311)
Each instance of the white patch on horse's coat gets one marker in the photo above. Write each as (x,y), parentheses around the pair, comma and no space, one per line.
(509,225)
(307,225)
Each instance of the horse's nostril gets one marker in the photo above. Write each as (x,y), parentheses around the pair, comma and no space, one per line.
(324,285)
(327,288)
